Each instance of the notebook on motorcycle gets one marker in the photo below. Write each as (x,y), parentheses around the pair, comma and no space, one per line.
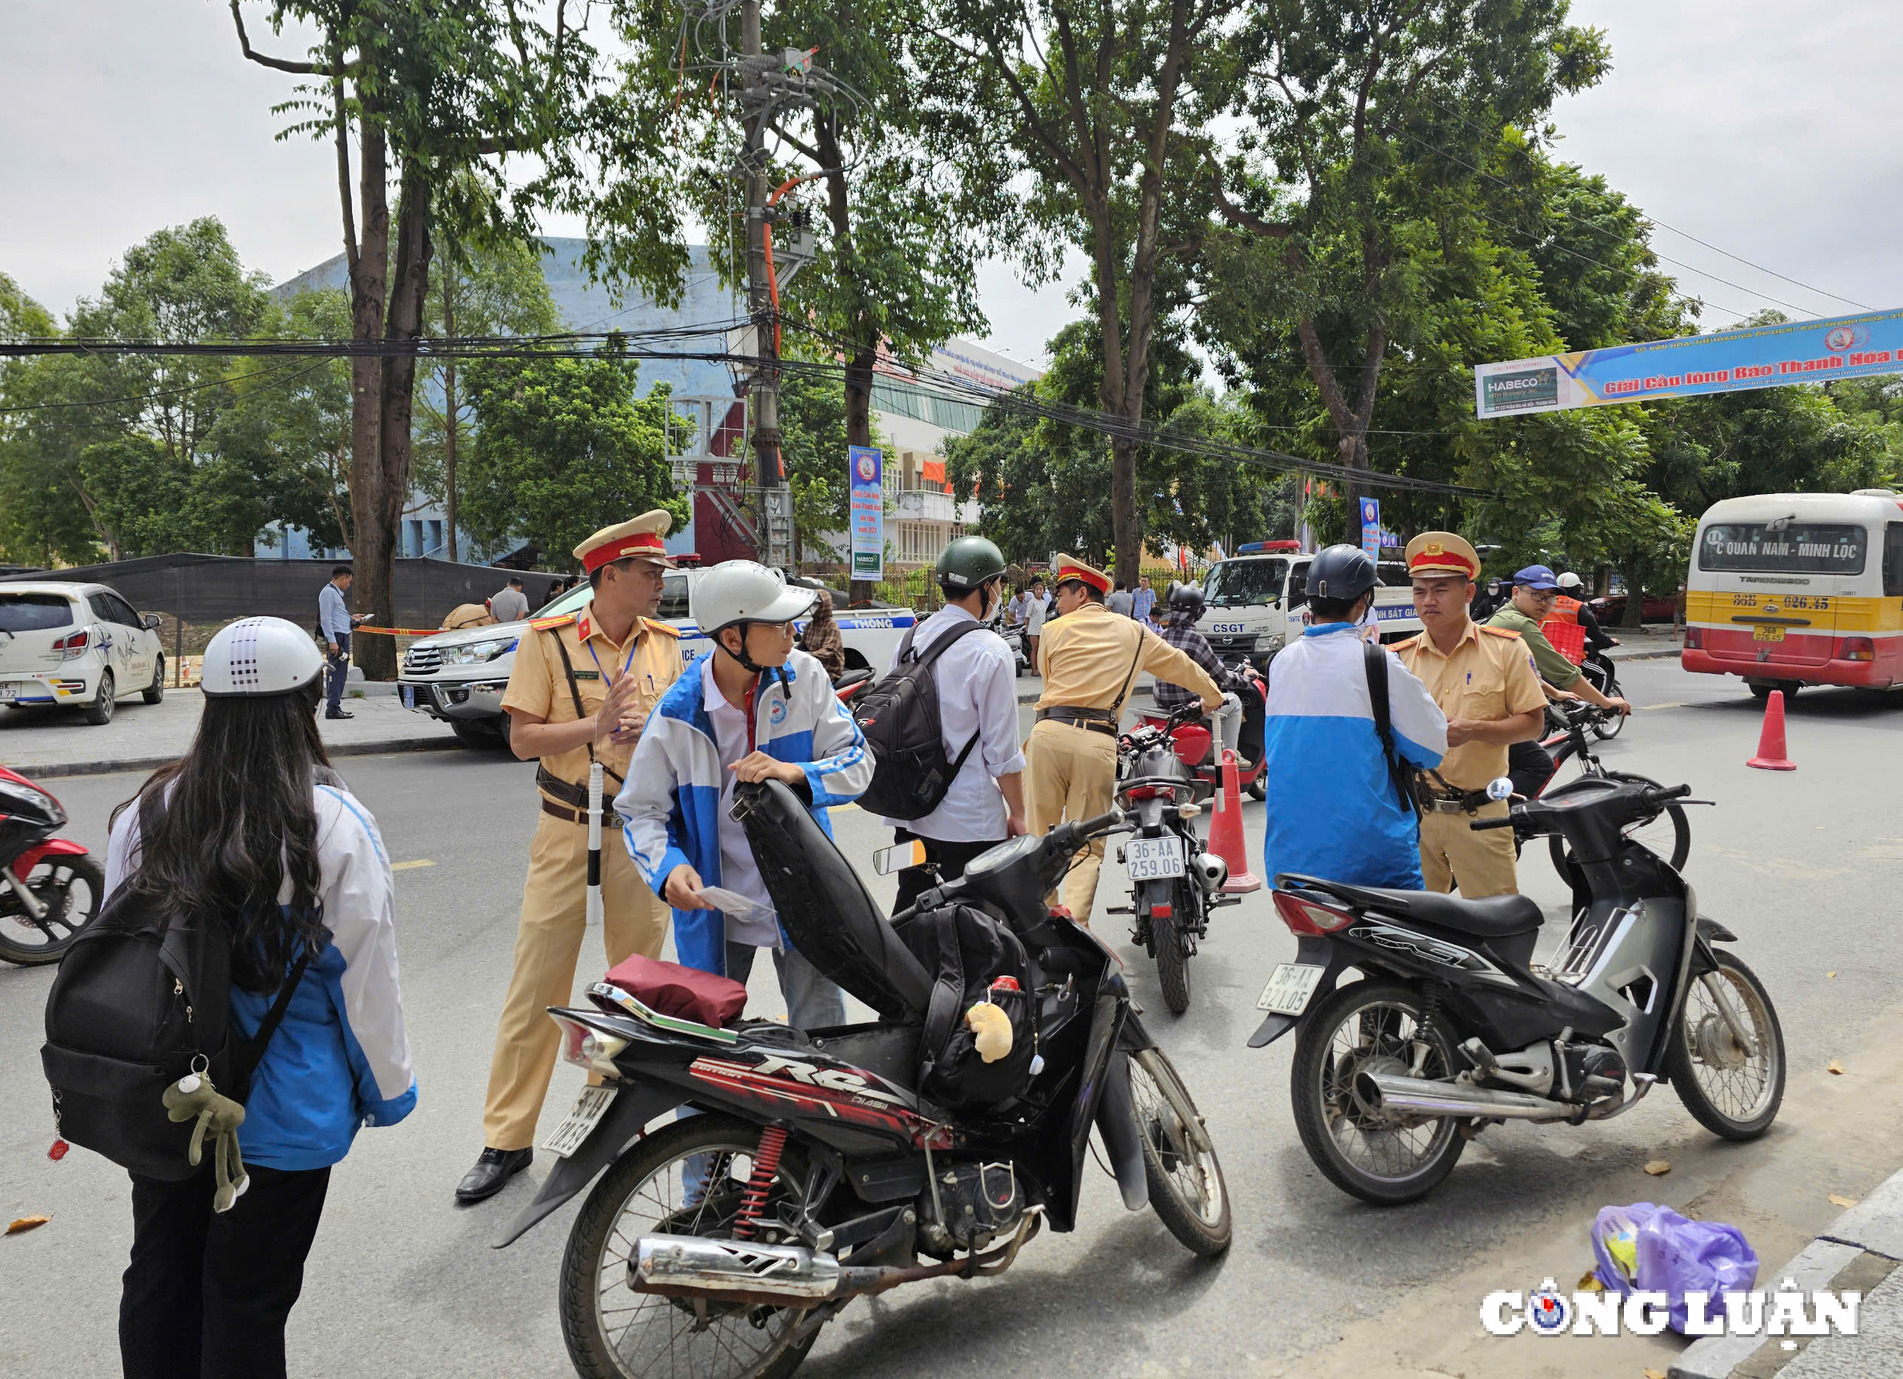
(685,993)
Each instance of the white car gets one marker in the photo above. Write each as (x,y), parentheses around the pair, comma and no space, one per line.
(78,645)
(1254,603)
(459,677)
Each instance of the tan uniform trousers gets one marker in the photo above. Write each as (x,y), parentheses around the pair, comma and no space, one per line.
(547,947)
(1070,773)
(1481,862)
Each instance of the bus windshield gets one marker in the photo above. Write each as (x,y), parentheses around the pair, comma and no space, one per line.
(1233,583)
(1809,548)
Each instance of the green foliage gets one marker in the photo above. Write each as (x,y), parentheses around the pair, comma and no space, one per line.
(563,447)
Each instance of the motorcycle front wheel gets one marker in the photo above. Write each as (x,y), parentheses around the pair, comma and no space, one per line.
(1732,1093)
(1165,901)
(686,1179)
(1187,1190)
(1379,1156)
(71,888)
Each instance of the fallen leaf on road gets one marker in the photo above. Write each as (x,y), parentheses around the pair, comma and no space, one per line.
(1837,1201)
(27,1223)
(1835,1067)
(1829,975)
(1658,1168)
(1589,1283)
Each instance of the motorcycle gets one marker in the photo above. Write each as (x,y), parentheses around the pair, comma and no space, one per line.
(1175,880)
(1208,771)
(853,686)
(1453,1027)
(719,1243)
(50,888)
(1668,832)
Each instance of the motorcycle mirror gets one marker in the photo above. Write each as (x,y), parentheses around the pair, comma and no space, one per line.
(1500,788)
(885,861)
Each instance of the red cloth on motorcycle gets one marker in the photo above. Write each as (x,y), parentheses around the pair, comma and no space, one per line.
(683,992)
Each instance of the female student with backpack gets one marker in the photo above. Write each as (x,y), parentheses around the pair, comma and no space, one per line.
(253,833)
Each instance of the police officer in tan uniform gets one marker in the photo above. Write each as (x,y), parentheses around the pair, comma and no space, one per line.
(581,689)
(1484,681)
(1089,658)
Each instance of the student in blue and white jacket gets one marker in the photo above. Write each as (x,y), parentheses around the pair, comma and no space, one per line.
(256,835)
(754,709)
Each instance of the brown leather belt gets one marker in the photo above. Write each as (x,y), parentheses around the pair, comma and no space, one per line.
(579,816)
(1091,720)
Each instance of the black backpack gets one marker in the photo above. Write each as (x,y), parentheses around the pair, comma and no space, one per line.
(900,720)
(967,951)
(136,1005)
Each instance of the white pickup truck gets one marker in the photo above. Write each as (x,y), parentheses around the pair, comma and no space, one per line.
(459,676)
(1255,604)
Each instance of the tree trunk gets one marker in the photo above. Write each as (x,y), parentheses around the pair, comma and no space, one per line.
(1634,616)
(865,334)
(449,413)
(370,548)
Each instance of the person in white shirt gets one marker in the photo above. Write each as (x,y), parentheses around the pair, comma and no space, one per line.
(1034,614)
(976,678)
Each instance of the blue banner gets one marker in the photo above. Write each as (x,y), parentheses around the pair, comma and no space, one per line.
(1724,362)
(1371,527)
(866,510)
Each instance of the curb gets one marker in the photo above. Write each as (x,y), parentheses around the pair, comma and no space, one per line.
(1648,656)
(340,749)
(1857,1252)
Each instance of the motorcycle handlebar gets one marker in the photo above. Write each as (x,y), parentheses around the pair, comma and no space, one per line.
(1659,794)
(1479,824)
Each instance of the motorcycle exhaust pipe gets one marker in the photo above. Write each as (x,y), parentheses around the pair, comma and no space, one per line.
(1419,1097)
(741,1270)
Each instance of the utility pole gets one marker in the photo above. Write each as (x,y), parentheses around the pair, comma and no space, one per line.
(776,498)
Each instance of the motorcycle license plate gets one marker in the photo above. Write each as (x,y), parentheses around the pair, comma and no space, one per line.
(567,1137)
(1155,859)
(7,691)
(1289,988)
(407,693)
(1767,634)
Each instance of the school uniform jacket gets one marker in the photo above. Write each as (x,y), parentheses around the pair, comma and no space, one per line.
(670,806)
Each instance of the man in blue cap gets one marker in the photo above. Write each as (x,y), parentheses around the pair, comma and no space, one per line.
(1534,590)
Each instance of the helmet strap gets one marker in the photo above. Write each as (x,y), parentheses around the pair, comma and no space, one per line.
(746,662)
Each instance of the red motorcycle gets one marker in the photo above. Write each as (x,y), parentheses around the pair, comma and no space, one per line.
(1208,772)
(50,888)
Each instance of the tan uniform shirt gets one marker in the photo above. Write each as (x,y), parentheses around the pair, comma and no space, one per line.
(1489,676)
(1086,660)
(538,684)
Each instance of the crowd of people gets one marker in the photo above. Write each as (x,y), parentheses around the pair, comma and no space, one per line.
(254,837)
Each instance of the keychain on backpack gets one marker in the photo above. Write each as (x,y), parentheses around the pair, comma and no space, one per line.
(193,1095)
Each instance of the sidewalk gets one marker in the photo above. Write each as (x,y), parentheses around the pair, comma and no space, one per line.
(1858,1253)
(46,743)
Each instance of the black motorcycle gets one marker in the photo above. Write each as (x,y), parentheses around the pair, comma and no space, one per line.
(50,887)
(1452,1026)
(1175,881)
(718,1244)
(1569,756)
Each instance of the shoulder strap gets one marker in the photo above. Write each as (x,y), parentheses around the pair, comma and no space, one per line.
(944,643)
(251,1053)
(905,644)
(1374,662)
(1130,679)
(948,991)
(574,689)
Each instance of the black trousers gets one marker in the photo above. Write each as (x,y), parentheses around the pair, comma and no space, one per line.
(339,673)
(206,1296)
(950,860)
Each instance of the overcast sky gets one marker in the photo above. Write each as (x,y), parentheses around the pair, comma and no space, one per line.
(1766,128)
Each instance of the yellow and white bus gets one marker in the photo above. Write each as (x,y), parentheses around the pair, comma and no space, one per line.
(1791,589)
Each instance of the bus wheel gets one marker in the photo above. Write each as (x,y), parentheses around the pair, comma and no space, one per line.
(1761,689)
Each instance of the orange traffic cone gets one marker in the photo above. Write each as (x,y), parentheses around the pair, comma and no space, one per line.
(1225,832)
(1770,755)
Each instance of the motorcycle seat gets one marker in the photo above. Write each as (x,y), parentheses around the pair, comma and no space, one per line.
(1497,916)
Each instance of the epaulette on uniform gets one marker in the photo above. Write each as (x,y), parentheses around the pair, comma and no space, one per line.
(550,624)
(659,626)
(1509,633)
(1403,646)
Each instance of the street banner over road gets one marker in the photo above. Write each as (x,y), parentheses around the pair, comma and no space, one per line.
(1723,362)
(866,510)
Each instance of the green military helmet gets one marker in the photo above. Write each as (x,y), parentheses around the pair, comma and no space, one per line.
(968,562)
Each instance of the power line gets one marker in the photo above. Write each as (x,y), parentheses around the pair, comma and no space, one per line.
(162,393)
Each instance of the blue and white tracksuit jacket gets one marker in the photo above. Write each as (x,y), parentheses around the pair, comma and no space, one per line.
(1333,810)
(341,1058)
(670,806)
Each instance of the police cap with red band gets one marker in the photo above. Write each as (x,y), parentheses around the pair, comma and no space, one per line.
(1069,567)
(640,538)
(1442,553)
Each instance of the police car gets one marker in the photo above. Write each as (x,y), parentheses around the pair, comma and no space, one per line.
(1255,599)
(459,677)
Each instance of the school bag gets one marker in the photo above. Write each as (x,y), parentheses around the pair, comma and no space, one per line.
(972,958)
(899,717)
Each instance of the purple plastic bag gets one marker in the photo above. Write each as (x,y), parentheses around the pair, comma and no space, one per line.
(1674,1256)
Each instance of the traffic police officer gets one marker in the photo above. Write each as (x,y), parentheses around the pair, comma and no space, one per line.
(581,689)
(1089,658)
(1484,680)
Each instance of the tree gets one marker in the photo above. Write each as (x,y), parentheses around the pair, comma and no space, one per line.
(1102,106)
(815,430)
(41,518)
(562,448)
(439,95)
(1368,126)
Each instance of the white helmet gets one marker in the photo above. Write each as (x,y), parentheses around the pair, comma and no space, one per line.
(1569,580)
(737,591)
(260,656)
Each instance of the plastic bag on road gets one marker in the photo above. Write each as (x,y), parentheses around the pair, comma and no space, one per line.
(1652,1249)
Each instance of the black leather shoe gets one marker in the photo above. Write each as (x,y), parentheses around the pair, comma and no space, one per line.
(494,1168)
(340,713)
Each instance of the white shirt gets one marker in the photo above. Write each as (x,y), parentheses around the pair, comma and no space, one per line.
(1034,617)
(977,693)
(738,871)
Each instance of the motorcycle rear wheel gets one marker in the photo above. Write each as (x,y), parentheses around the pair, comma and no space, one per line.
(1186,1185)
(71,888)
(1710,1070)
(615,1333)
(1372,1154)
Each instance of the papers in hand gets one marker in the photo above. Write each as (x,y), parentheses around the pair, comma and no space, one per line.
(734,904)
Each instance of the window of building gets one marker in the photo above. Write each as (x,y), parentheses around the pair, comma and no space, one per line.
(435,538)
